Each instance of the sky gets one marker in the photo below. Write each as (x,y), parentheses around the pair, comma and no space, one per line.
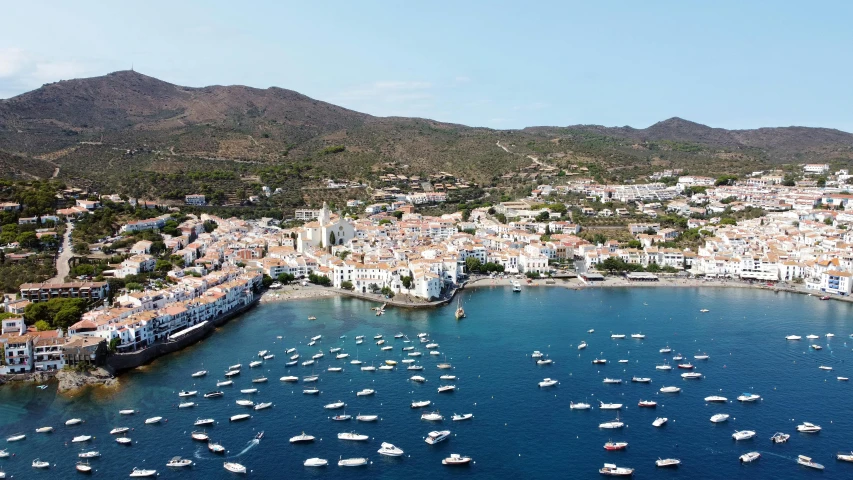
(493,63)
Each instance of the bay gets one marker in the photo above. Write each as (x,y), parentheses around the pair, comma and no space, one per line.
(518,428)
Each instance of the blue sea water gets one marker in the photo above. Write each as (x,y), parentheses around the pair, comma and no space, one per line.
(518,430)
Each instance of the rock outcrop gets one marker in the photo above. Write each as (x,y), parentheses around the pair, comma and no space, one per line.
(70,380)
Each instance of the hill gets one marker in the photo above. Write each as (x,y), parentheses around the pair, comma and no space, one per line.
(132,132)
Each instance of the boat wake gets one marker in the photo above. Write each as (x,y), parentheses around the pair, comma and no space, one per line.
(252,443)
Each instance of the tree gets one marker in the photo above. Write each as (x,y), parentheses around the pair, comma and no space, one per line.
(332,238)
(821,182)
(789,180)
(28,240)
(131,286)
(612,264)
(407,282)
(346,285)
(42,326)
(286,278)
(599,239)
(473,264)
(500,217)
(387,291)
(543,216)
(114,343)
(634,244)
(725,180)
(81,248)
(163,266)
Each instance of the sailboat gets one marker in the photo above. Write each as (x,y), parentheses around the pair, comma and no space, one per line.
(460,312)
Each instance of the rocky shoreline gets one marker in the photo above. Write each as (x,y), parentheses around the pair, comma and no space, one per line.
(71,381)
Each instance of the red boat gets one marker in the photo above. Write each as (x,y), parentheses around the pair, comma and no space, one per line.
(615,445)
(686,366)
(825,297)
(648,403)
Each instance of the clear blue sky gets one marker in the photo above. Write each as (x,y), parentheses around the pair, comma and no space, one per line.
(484,63)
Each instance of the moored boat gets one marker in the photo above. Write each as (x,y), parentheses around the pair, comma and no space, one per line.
(352,462)
(743,435)
(456,460)
(234,467)
(241,416)
(647,403)
(807,427)
(716,398)
(780,437)
(808,462)
(437,436)
(548,382)
(143,472)
(719,418)
(352,436)
(302,438)
(611,445)
(667,462)
(612,470)
(315,462)
(660,421)
(178,462)
(749,457)
(748,397)
(390,450)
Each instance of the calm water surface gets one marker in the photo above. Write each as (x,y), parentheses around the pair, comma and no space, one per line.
(518,429)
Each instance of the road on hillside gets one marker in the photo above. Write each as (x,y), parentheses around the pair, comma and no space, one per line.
(62,266)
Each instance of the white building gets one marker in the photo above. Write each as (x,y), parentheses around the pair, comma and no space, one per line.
(816,168)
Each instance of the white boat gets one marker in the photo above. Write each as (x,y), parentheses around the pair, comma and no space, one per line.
(421,404)
(447,377)
(74,421)
(204,421)
(342,418)
(236,367)
(462,417)
(44,429)
(609,406)
(613,424)
(89,454)
(623,361)
(259,380)
(139,472)
(342,355)
(200,436)
(842,379)
(377,337)
(678,357)
(352,462)
(126,412)
(612,470)
(240,416)
(548,382)
(249,390)
(666,349)
(316,337)
(38,463)
(389,347)
(667,462)
(315,462)
(415,367)
(289,351)
(234,467)
(82,467)
(186,404)
(617,336)
(793,337)
(719,418)
(665,366)
(302,438)
(780,437)
(119,430)
(807,427)
(310,391)
(245,403)
(318,355)
(369,368)
(178,462)
(808,462)
(408,360)
(415,354)
(269,356)
(455,460)
(660,421)
(579,406)
(432,417)
(749,457)
(748,397)
(16,437)
(307,363)
(224,383)
(381,342)
(691,375)
(215,448)
(359,341)
(263,405)
(365,392)
(124,440)
(704,310)
(516,286)
(367,418)
(641,379)
(638,336)
(612,381)
(232,373)
(437,436)
(408,349)
(289,378)
(334,369)
(334,349)
(352,436)
(670,389)
(716,398)
(582,345)
(446,388)
(418,378)
(544,361)
(815,347)
(188,393)
(647,404)
(432,346)
(844,457)
(335,405)
(310,378)
(591,330)
(812,337)
(743,435)
(389,450)
(294,357)
(824,367)
(537,354)
(153,420)
(81,438)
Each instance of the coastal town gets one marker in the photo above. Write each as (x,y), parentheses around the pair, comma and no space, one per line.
(755,229)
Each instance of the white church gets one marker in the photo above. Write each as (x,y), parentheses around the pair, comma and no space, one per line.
(326,231)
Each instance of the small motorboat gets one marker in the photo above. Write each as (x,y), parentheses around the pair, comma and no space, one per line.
(418,379)
(82,467)
(641,380)
(215,448)
(199,373)
(186,404)
(615,445)
(812,337)
(256,363)
(743,435)
(446,388)
(667,462)
(623,361)
(16,437)
(842,379)
(334,349)
(415,368)
(844,457)
(437,436)
(660,421)
(289,378)
(38,463)
(124,441)
(365,392)
(259,380)
(89,454)
(178,462)
(352,462)
(664,366)
(153,420)
(302,438)
(582,345)
(341,418)
(704,310)
(368,368)
(249,390)
(716,398)
(44,429)
(224,383)
(232,373)
(128,411)
(335,369)
(670,389)
(74,421)
(310,378)
(537,354)
(263,405)
(367,418)
(691,375)
(245,403)
(612,470)
(647,404)
(748,397)
(456,460)
(335,405)
(719,418)
(826,368)
(579,406)
(444,366)
(448,377)
(613,424)
(352,436)
(638,336)
(119,430)
(318,355)
(310,391)
(139,472)
(203,421)
(81,438)
(308,363)
(686,366)
(544,361)
(421,404)
(815,346)
(548,382)
(269,356)
(432,416)
(234,467)
(780,437)
(666,349)
(617,336)
(807,427)
(591,330)
(290,350)
(188,393)
(462,417)
(609,406)
(390,450)
(612,381)
(808,462)
(239,417)
(793,337)
(749,457)
(200,436)
(315,462)
(213,394)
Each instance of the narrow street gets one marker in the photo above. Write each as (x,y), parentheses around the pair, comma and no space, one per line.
(62,267)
